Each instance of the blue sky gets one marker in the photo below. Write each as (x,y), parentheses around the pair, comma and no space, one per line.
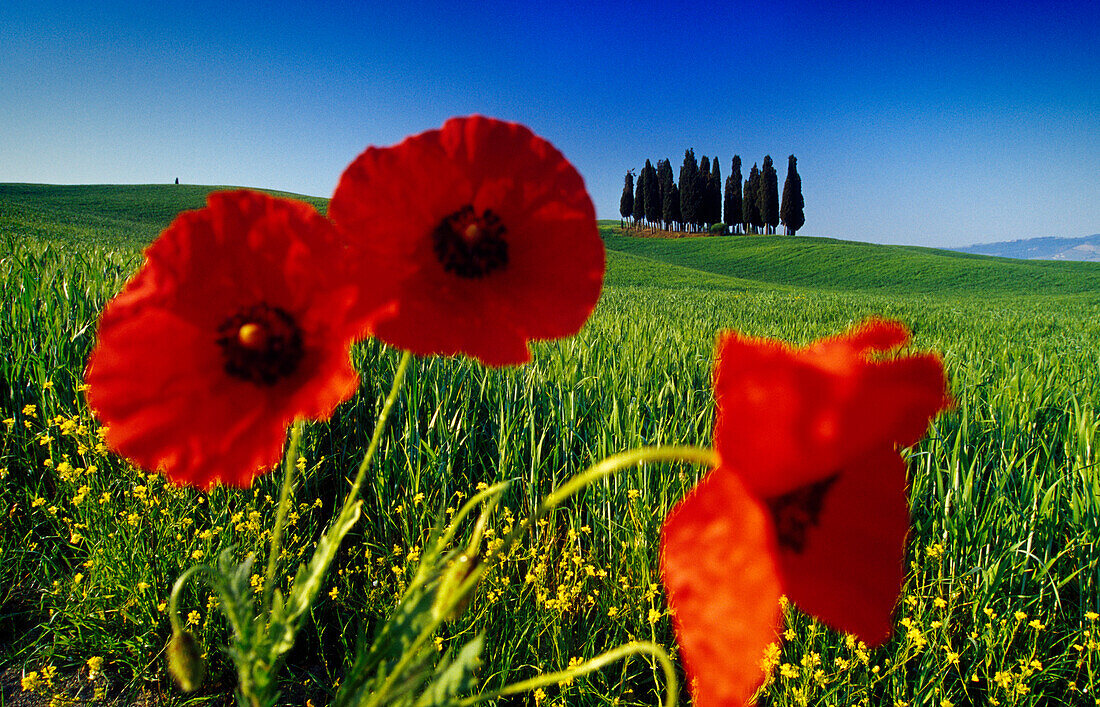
(937,124)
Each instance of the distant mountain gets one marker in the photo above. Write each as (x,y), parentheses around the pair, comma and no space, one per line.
(1049,248)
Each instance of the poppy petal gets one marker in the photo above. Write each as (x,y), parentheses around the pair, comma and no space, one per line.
(483,232)
(788,417)
(844,561)
(173,377)
(718,566)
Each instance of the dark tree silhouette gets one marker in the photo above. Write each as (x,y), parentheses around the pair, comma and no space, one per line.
(668,193)
(768,195)
(652,195)
(689,172)
(626,201)
(714,194)
(639,199)
(675,216)
(702,193)
(750,211)
(792,212)
(733,211)
(727,201)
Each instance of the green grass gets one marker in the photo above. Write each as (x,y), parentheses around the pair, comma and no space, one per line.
(115,215)
(849,266)
(1005,490)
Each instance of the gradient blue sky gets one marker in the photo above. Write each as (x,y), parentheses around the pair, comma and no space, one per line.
(934,124)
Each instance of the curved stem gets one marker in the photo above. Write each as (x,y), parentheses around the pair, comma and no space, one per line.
(624,651)
(290,463)
(601,469)
(606,467)
(379,427)
(177,587)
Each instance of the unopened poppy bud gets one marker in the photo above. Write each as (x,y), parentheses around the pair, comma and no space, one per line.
(453,578)
(184,661)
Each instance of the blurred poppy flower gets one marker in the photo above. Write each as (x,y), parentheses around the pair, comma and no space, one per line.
(233,327)
(809,499)
(484,233)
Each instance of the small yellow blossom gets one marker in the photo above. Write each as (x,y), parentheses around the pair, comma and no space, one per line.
(334,593)
(789,671)
(95,664)
(31,681)
(1020,616)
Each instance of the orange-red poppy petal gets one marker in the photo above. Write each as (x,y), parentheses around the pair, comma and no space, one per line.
(718,567)
(413,214)
(849,567)
(790,416)
(169,378)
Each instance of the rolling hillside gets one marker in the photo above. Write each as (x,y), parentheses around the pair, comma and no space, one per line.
(836,265)
(132,215)
(110,214)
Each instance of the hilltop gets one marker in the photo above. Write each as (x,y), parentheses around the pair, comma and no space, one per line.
(103,214)
(839,265)
(132,215)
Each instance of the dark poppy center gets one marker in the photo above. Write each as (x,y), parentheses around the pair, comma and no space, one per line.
(470,245)
(261,344)
(797,511)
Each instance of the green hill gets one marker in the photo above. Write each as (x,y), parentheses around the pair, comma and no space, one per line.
(108,214)
(132,215)
(830,264)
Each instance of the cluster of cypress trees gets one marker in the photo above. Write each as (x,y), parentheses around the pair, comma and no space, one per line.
(696,201)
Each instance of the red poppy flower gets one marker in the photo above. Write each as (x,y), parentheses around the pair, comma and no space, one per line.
(809,499)
(483,231)
(233,327)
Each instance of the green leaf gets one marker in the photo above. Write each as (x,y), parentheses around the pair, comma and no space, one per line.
(454,677)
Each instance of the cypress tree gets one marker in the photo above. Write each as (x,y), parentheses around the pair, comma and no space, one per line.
(639,199)
(652,196)
(733,212)
(715,191)
(750,212)
(626,201)
(689,172)
(727,202)
(702,193)
(675,215)
(668,187)
(768,195)
(792,212)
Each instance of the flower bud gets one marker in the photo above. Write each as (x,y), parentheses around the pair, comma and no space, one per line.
(184,661)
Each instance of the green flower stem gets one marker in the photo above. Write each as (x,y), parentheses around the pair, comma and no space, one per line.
(177,587)
(624,651)
(376,438)
(602,469)
(606,467)
(290,463)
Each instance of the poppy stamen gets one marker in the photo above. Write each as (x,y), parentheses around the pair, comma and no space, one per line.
(797,511)
(261,344)
(469,245)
